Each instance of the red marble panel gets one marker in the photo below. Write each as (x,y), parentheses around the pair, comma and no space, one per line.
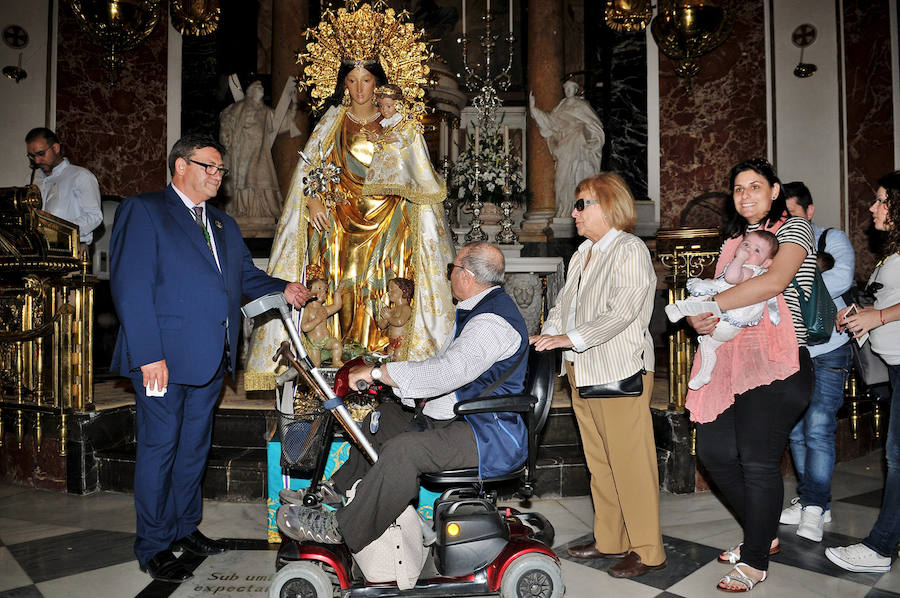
(118,132)
(870,151)
(719,122)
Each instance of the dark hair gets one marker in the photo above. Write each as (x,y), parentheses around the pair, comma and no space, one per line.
(735,224)
(405,285)
(891,184)
(42,133)
(185,147)
(799,191)
(375,69)
(770,238)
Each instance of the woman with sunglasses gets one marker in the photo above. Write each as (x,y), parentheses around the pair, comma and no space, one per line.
(874,553)
(600,319)
(763,378)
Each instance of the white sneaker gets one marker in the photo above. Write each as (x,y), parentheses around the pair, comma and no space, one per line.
(858,558)
(791,515)
(812,523)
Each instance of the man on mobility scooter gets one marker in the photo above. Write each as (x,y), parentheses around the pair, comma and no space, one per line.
(486,356)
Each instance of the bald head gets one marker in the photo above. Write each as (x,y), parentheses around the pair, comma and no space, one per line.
(484,261)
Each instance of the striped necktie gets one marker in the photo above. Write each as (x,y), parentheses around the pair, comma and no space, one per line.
(198,218)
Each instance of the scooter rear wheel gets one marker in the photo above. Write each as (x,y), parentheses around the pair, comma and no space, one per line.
(301,580)
(533,575)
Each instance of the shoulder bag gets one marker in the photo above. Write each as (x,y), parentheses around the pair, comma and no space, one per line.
(632,386)
(818,310)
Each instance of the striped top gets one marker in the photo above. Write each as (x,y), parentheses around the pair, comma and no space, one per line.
(799,231)
(613,299)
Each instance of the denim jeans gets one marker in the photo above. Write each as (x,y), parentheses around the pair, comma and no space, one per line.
(812,439)
(886,532)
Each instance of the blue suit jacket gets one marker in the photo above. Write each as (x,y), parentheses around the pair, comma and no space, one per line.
(172,301)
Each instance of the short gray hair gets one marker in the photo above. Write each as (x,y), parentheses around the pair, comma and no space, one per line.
(484,261)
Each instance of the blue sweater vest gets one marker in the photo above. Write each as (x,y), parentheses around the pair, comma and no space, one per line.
(502,438)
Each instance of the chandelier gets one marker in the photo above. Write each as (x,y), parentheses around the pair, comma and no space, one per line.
(120,26)
(628,15)
(685,30)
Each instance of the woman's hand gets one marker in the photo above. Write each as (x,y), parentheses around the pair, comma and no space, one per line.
(703,324)
(860,323)
(318,215)
(839,318)
(370,134)
(546,342)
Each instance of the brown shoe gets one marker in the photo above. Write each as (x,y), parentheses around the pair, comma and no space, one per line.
(589,551)
(631,566)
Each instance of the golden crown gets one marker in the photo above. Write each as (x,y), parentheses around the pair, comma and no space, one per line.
(362,36)
(314,271)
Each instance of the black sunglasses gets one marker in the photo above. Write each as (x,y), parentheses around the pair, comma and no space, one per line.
(450,267)
(580,203)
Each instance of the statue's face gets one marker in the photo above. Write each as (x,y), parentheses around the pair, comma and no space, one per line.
(523,295)
(255,90)
(361,85)
(570,88)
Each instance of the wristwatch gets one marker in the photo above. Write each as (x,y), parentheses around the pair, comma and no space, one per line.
(376,373)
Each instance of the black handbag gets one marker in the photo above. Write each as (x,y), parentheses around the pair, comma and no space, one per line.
(632,386)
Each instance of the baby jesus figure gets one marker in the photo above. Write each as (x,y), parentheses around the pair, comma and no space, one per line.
(314,323)
(397,313)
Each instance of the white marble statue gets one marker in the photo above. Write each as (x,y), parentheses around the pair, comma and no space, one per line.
(248,130)
(575,137)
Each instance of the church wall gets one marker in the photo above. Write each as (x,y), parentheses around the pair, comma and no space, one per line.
(870,125)
(118,132)
(720,122)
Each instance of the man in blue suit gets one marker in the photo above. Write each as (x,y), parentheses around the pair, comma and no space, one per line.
(178,271)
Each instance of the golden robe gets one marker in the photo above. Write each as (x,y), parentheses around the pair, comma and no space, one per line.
(392,226)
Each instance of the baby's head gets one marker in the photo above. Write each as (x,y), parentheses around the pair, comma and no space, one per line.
(318,288)
(388,98)
(760,247)
(401,288)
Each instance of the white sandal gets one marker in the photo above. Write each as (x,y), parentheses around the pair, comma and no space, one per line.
(741,578)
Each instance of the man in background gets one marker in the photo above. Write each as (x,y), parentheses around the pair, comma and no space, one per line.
(812,439)
(69,192)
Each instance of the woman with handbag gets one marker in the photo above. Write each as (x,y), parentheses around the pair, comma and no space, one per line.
(600,319)
(880,321)
(763,378)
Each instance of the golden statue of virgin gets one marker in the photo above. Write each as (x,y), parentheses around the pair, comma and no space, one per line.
(364,232)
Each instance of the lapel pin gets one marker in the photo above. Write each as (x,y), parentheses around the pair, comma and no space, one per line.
(219,224)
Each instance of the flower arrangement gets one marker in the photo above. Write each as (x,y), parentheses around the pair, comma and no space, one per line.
(492,167)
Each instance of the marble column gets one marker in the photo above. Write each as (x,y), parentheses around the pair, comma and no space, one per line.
(545,73)
(290,18)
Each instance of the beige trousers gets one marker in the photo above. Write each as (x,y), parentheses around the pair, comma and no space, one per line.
(617,436)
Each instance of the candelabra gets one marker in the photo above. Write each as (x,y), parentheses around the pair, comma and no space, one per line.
(475,233)
(448,201)
(507,236)
(483,79)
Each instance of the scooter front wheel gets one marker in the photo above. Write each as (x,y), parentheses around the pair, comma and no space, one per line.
(533,575)
(301,580)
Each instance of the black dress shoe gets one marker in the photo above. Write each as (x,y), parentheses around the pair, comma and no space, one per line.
(589,551)
(165,567)
(197,543)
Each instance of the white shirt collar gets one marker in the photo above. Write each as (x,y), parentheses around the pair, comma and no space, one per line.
(471,302)
(602,244)
(187,202)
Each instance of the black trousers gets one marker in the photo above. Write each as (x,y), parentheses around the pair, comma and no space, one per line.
(742,450)
(406,447)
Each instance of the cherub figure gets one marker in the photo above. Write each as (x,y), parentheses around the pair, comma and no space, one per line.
(397,313)
(314,323)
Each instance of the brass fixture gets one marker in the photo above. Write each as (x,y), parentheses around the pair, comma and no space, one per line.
(628,15)
(685,30)
(195,17)
(117,26)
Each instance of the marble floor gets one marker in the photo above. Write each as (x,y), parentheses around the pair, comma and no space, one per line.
(57,545)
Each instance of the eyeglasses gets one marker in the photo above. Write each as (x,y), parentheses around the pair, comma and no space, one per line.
(580,203)
(211,169)
(39,154)
(450,267)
